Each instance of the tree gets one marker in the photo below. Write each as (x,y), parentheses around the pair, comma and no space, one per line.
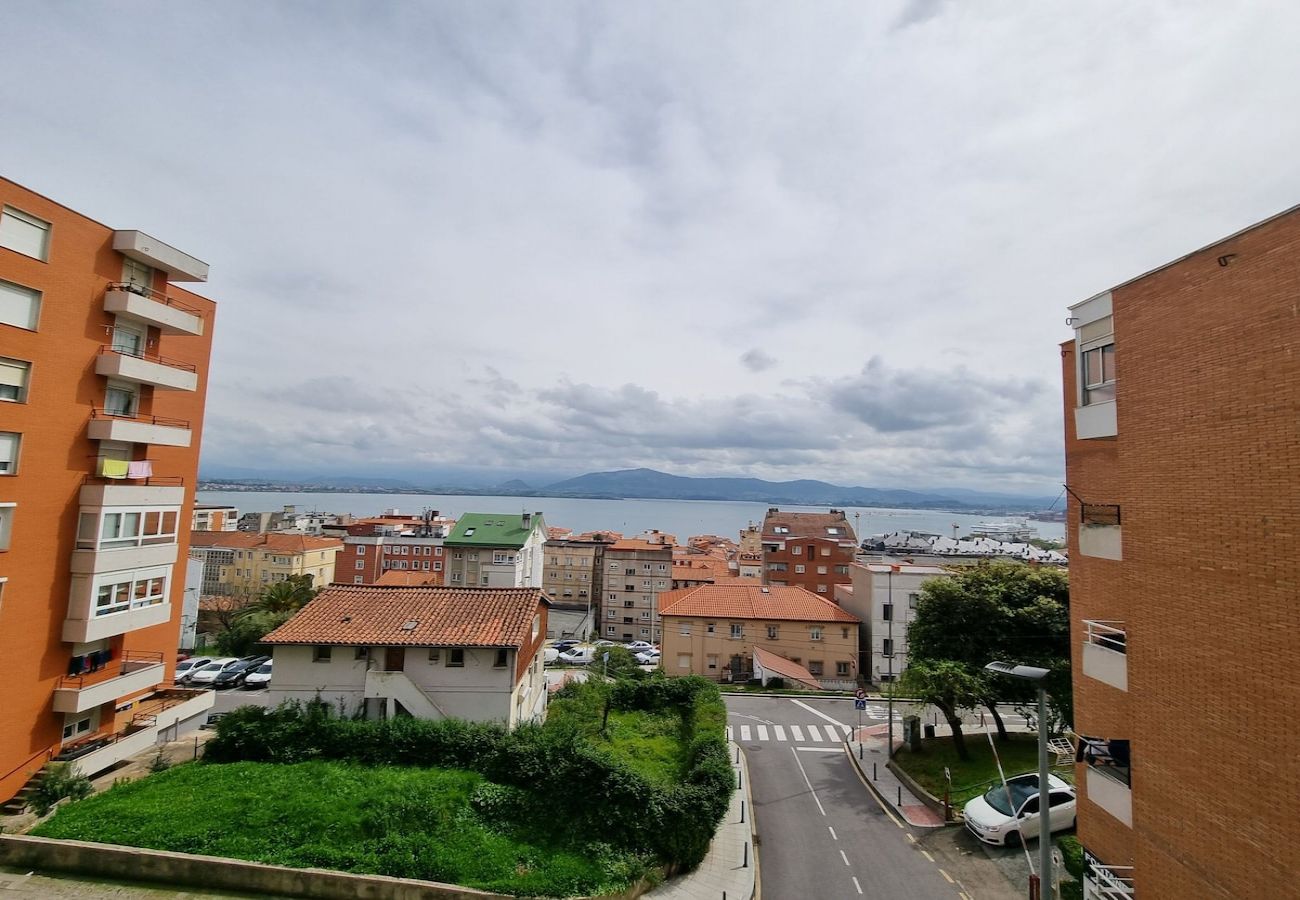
(289,595)
(948,686)
(1001,611)
(248,630)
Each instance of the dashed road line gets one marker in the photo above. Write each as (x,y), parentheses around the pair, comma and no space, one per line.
(926,854)
(947,876)
(834,836)
(856,885)
(844,857)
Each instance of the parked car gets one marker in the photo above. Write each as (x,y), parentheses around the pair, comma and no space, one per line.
(996,818)
(648,657)
(208,674)
(549,656)
(605,644)
(565,644)
(640,646)
(186,668)
(235,673)
(259,677)
(578,656)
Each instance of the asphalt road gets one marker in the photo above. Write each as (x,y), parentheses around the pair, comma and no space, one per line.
(822,834)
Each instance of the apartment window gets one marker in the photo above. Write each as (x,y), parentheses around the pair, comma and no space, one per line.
(709,628)
(437,551)
(815,633)
(821,570)
(612,597)
(798,569)
(737,630)
(913,600)
(841,570)
(361,564)
(483,580)
(361,653)
(887,647)
(473,556)
(358,579)
(611,629)
(120,399)
(456,657)
(321,653)
(844,633)
(841,668)
(663,567)
(455,578)
(1099,374)
(437,565)
(14,375)
(435,653)
(19,306)
(645,613)
(773,632)
(887,612)
(684,629)
(796,551)
(9,444)
(501,559)
(80,726)
(645,632)
(815,668)
(501,659)
(457,554)
(683,660)
(821,588)
(611,614)
(426,565)
(777,567)
(712,660)
(627,603)
(24,233)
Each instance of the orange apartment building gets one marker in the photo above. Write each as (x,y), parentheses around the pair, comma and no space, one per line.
(1182,429)
(808,550)
(103,373)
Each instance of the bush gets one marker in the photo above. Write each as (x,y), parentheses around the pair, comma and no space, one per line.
(1072,853)
(61,782)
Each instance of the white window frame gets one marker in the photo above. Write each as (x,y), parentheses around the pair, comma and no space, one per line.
(15,378)
(33,298)
(13,441)
(15,215)
(118,527)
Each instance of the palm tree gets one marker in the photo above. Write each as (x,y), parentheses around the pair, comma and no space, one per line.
(289,595)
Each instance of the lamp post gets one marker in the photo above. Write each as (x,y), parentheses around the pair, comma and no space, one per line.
(1037,676)
(890,664)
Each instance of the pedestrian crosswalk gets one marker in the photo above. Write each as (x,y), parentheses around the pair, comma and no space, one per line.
(799,734)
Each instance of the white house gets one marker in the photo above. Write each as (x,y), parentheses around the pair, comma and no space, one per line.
(427,651)
(885,597)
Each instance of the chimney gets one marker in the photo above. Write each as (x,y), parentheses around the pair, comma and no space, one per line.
(528,520)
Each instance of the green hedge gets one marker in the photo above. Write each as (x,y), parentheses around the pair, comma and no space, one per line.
(552,767)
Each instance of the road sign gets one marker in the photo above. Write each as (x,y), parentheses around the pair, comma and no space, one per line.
(860,704)
(947,774)
(860,694)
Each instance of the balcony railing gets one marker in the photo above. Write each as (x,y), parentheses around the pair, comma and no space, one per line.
(131,661)
(156,297)
(1099,513)
(150,357)
(1106,633)
(1112,882)
(99,413)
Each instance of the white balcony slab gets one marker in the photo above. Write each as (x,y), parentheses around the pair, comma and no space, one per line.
(186,710)
(134,431)
(81,627)
(92,562)
(128,494)
(141,678)
(1101,541)
(152,252)
(1106,665)
(122,748)
(1096,420)
(137,369)
(1113,796)
(150,310)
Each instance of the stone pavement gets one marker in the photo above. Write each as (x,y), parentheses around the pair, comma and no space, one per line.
(724,874)
(869,747)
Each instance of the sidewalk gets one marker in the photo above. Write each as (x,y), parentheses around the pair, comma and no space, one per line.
(723,875)
(871,743)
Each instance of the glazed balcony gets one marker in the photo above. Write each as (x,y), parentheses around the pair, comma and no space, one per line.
(106,426)
(132,673)
(140,304)
(152,252)
(159,371)
(97,491)
(1105,652)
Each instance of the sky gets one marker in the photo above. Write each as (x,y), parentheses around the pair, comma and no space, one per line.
(805,240)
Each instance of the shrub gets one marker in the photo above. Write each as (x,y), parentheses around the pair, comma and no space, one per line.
(1072,853)
(61,782)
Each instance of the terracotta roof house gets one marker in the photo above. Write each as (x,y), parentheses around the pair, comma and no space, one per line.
(715,630)
(809,550)
(427,651)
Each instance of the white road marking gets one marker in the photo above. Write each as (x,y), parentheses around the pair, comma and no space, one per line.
(731,736)
(797,732)
(820,715)
(856,885)
(946,875)
(804,773)
(818,749)
(762,732)
(814,734)
(834,836)
(912,840)
(844,857)
(744,733)
(780,732)
(926,854)
(751,718)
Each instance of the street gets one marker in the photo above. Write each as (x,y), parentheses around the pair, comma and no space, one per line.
(823,834)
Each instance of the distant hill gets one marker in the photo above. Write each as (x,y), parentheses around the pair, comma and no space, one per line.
(649,484)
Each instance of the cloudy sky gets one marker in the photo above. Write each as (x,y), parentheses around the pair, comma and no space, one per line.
(828,240)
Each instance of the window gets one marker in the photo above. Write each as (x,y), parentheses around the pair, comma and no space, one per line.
(645,613)
(611,629)
(685,629)
(709,628)
(841,668)
(645,632)
(435,653)
(773,632)
(14,374)
(844,633)
(456,658)
(821,588)
(776,567)
(815,668)
(80,726)
(120,399)
(9,444)
(128,339)
(455,578)
(737,630)
(683,660)
(437,551)
(796,551)
(887,647)
(712,660)
(503,656)
(437,565)
(821,570)
(499,558)
(913,600)
(841,570)
(361,564)
(358,579)
(25,234)
(361,653)
(798,569)
(457,554)
(1099,514)
(887,612)
(815,633)
(321,653)
(19,306)
(627,603)
(1099,374)
(611,614)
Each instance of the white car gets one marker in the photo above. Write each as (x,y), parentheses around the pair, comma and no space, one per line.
(549,656)
(640,646)
(187,667)
(578,656)
(648,657)
(259,677)
(1009,815)
(208,674)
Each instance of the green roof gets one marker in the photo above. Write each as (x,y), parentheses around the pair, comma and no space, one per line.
(493,530)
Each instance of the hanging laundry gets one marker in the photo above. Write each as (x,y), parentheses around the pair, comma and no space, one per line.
(141,468)
(114,468)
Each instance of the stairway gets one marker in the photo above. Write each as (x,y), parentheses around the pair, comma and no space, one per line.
(18,804)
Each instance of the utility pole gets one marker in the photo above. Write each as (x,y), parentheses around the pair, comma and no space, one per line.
(890,658)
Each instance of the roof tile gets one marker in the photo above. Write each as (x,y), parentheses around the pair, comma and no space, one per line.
(752,601)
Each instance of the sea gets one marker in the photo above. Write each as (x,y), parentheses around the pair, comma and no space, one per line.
(682,518)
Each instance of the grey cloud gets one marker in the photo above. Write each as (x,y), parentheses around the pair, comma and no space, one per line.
(757,360)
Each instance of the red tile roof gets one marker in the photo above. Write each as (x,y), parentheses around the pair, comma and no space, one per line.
(788,669)
(417,615)
(739,600)
(273,541)
(807,525)
(637,544)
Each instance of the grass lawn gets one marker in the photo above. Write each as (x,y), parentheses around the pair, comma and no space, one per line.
(406,822)
(969,779)
(648,742)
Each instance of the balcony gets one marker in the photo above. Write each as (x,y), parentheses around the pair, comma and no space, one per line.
(1105,658)
(1105,882)
(118,559)
(1096,420)
(1111,794)
(151,718)
(133,673)
(82,626)
(152,252)
(105,426)
(159,371)
(151,492)
(138,303)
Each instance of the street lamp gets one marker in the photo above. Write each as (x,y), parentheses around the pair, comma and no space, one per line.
(890,658)
(1037,676)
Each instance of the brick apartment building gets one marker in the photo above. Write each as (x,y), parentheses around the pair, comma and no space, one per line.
(382,544)
(808,550)
(1182,411)
(636,572)
(103,374)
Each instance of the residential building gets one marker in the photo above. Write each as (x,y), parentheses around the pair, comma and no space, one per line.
(496,550)
(573,578)
(211,517)
(636,573)
(103,374)
(808,550)
(428,652)
(374,546)
(717,630)
(749,555)
(240,564)
(1182,437)
(885,598)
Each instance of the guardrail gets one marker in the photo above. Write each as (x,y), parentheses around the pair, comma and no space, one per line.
(149,357)
(155,296)
(100,413)
(1109,634)
(131,661)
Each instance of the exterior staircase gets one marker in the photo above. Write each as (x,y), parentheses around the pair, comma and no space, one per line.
(18,804)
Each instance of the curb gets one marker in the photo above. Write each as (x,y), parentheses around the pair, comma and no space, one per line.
(880,797)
